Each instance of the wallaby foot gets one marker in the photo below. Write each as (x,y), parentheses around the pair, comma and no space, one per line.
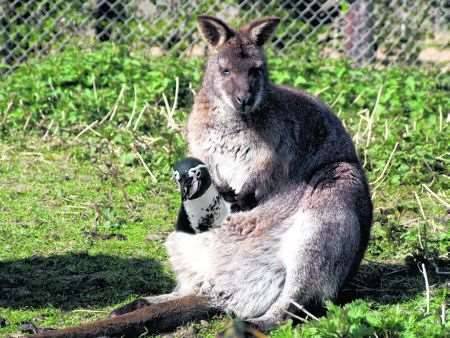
(130,307)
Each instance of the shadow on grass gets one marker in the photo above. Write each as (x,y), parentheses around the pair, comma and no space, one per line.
(382,283)
(78,280)
(389,283)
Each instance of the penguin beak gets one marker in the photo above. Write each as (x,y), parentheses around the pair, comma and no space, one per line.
(185,187)
(189,187)
(195,185)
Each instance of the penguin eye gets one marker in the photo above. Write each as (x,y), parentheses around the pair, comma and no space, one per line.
(198,173)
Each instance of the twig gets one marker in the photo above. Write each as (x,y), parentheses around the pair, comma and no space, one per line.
(48,129)
(443,313)
(432,193)
(372,116)
(90,311)
(116,105)
(154,180)
(112,112)
(358,97)
(295,316)
(175,100)
(320,91)
(381,177)
(302,308)
(337,99)
(358,130)
(136,124)
(423,212)
(89,127)
(6,112)
(27,121)
(134,107)
(423,270)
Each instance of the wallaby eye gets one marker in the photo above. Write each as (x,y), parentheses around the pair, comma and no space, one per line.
(226,72)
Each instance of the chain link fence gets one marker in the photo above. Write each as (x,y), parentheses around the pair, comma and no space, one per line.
(413,32)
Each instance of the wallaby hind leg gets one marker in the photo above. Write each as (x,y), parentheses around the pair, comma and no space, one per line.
(143,302)
(152,319)
(333,232)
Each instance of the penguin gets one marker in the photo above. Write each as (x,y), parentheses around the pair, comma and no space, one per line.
(202,206)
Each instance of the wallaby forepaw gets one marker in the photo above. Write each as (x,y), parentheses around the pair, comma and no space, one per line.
(130,307)
(243,225)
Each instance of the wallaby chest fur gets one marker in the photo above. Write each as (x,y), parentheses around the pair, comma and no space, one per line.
(293,135)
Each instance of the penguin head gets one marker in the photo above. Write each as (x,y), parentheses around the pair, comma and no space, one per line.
(192,177)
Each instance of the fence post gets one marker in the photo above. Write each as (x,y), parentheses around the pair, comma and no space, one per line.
(359,42)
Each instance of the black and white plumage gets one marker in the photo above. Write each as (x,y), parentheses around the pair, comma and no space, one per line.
(203,207)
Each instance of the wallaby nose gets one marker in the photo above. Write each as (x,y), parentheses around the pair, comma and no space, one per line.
(242,100)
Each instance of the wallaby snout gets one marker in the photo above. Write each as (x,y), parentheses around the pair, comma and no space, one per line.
(243,101)
(244,95)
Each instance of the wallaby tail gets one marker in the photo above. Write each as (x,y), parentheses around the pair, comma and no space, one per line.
(152,319)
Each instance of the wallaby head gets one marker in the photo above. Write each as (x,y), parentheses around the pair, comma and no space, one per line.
(236,75)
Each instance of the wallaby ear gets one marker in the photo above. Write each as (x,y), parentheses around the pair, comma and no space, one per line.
(213,30)
(261,30)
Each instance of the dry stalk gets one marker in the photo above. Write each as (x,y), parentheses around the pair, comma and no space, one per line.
(320,91)
(113,111)
(423,270)
(6,112)
(295,316)
(422,212)
(152,176)
(372,117)
(443,314)
(134,108)
(48,129)
(382,176)
(302,308)
(27,121)
(89,127)
(170,111)
(337,99)
(436,196)
(136,124)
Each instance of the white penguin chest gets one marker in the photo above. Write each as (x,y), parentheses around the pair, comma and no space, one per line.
(207,211)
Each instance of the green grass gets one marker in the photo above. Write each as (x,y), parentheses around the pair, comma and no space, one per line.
(76,207)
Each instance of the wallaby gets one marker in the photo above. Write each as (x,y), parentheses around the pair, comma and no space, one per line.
(288,161)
